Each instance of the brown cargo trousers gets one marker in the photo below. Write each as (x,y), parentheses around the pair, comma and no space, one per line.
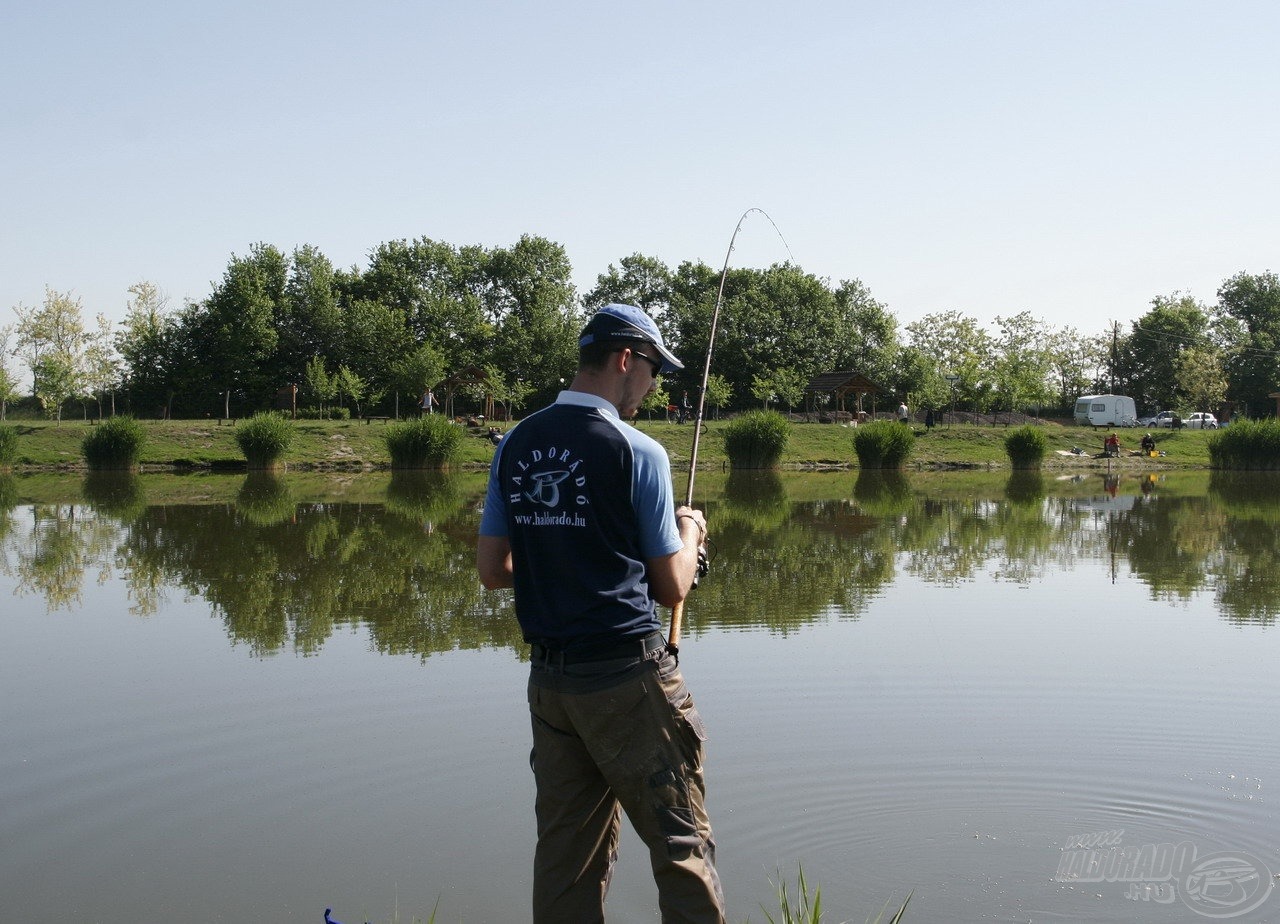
(611,737)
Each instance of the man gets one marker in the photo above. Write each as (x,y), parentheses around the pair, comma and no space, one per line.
(579,519)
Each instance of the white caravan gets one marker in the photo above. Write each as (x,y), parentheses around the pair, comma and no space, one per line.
(1106,411)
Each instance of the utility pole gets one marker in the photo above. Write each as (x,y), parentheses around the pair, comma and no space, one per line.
(1115,353)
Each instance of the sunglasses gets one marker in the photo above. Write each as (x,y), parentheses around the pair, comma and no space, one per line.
(656,363)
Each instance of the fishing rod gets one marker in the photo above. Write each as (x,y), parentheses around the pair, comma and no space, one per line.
(677,611)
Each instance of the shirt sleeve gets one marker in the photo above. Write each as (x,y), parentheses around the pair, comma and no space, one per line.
(494,520)
(654,502)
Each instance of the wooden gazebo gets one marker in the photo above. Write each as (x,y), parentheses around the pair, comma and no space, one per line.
(840,385)
(467,375)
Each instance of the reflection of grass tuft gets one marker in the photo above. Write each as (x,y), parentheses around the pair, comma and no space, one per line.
(117,494)
(265,499)
(883,493)
(1024,487)
(422,496)
(756,499)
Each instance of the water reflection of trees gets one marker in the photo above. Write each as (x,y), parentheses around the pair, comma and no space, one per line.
(291,582)
(285,575)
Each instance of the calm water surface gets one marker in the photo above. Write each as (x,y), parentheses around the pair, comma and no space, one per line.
(231,699)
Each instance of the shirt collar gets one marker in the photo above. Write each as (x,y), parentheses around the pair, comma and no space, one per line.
(586,399)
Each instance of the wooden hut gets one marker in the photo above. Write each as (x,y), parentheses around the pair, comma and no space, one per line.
(840,386)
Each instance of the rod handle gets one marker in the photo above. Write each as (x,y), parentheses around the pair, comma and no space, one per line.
(677,617)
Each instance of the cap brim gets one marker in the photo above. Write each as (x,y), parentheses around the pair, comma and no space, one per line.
(669,361)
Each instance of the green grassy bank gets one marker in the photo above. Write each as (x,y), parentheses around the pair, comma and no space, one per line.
(358,445)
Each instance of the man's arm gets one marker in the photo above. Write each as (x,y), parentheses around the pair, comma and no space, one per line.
(671,576)
(493,561)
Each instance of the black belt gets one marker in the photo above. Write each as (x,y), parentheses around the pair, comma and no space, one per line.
(639,648)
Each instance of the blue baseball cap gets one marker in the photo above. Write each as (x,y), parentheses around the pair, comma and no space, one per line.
(622,323)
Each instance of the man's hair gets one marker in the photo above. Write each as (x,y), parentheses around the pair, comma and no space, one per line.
(595,354)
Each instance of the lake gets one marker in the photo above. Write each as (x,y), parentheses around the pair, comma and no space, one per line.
(1025,697)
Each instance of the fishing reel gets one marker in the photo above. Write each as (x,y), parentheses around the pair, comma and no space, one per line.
(704,560)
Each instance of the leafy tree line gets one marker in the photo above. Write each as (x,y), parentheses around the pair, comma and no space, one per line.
(367,338)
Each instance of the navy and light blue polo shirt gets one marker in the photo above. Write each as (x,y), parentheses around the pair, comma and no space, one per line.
(584,499)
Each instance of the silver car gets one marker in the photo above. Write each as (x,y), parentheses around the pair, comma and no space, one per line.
(1202,422)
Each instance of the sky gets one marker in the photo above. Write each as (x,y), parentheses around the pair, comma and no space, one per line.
(1071,159)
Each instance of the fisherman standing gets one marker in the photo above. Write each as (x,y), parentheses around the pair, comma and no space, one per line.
(580,519)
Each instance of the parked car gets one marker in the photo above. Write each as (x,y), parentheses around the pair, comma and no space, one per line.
(1163,419)
(1200,421)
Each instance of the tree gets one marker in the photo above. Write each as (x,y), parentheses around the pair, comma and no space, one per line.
(51,338)
(233,332)
(102,364)
(638,280)
(788,385)
(1148,360)
(762,390)
(350,386)
(415,373)
(866,335)
(1023,362)
(1075,363)
(1248,315)
(1200,377)
(439,290)
(719,392)
(319,384)
(657,400)
(307,319)
(958,346)
(779,318)
(376,338)
(148,344)
(55,380)
(531,304)
(920,379)
(8,381)
(783,385)
(505,390)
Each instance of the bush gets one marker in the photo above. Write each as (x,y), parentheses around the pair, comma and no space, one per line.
(115,443)
(1246,445)
(1026,446)
(430,441)
(8,445)
(264,439)
(756,439)
(883,444)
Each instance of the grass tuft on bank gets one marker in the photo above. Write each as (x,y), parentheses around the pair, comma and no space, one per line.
(355,444)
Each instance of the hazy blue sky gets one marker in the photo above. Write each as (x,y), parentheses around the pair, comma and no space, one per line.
(1074,159)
